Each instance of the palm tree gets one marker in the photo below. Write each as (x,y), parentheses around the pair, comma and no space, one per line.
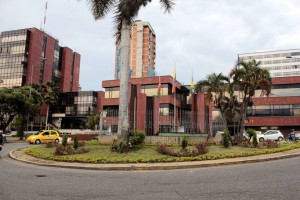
(216,87)
(125,11)
(247,77)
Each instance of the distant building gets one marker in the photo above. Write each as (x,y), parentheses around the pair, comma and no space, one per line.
(142,51)
(33,56)
(282,63)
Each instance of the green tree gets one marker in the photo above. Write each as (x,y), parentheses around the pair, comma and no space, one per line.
(8,107)
(92,121)
(29,101)
(216,87)
(125,11)
(248,77)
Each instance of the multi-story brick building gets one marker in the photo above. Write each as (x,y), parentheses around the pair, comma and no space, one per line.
(154,114)
(33,56)
(142,51)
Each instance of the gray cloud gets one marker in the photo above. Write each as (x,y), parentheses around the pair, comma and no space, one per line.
(199,36)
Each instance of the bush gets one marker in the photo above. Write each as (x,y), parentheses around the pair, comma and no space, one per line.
(270,144)
(202,148)
(121,147)
(136,138)
(184,143)
(64,142)
(225,139)
(255,142)
(250,133)
(59,150)
(75,143)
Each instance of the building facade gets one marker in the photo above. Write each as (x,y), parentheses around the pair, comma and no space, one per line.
(73,108)
(281,110)
(142,51)
(283,63)
(33,56)
(154,114)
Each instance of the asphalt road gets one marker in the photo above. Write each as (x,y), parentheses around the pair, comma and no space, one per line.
(268,180)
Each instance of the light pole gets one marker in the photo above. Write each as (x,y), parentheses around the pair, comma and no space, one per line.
(30,87)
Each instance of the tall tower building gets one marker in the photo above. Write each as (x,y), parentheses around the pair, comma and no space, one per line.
(33,56)
(282,63)
(142,51)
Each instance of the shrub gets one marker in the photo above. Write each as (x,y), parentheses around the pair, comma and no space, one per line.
(59,150)
(162,148)
(64,142)
(225,139)
(75,143)
(202,148)
(137,138)
(199,149)
(69,150)
(254,141)
(270,144)
(250,133)
(184,143)
(121,147)
(49,145)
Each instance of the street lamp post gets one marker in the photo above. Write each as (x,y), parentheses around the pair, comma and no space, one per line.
(30,87)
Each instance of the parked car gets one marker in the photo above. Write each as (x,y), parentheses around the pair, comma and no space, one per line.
(44,136)
(270,135)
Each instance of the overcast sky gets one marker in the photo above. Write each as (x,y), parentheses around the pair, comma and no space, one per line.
(199,36)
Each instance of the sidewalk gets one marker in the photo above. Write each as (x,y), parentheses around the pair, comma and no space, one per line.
(20,155)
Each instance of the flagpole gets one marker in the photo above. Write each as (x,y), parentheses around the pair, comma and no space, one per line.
(174,99)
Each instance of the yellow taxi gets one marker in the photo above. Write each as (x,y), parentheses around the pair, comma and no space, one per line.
(44,136)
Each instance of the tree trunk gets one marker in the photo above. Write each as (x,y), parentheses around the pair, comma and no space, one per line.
(47,115)
(123,124)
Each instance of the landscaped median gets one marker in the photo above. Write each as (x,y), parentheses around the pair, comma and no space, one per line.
(102,153)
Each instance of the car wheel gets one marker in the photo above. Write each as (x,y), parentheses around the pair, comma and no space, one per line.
(261,139)
(280,138)
(38,142)
(56,141)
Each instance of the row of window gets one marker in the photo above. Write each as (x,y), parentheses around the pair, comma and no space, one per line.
(16,81)
(283,74)
(12,71)
(13,38)
(286,67)
(80,110)
(275,55)
(13,49)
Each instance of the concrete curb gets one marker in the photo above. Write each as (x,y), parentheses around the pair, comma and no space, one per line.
(20,155)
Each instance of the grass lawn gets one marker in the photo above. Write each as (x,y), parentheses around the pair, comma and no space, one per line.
(102,154)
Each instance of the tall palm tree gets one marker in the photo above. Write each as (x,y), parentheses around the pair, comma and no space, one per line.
(125,11)
(216,86)
(247,77)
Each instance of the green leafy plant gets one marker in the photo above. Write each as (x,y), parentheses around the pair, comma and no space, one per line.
(225,139)
(64,141)
(121,147)
(137,138)
(184,143)
(254,141)
(75,143)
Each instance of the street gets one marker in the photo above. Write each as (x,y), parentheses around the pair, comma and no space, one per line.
(268,180)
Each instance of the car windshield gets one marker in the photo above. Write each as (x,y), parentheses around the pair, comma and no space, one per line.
(38,133)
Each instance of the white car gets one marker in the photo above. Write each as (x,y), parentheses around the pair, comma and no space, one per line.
(270,135)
